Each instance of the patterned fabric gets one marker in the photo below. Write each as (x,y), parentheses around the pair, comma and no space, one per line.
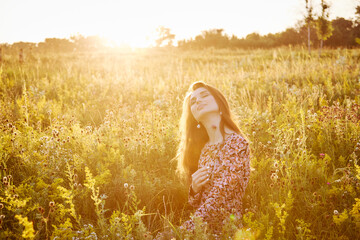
(229,168)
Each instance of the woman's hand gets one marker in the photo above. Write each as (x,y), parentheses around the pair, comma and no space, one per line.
(199,179)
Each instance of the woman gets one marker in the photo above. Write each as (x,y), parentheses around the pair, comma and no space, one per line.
(214,157)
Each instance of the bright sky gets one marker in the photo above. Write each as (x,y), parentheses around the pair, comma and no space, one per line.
(134,21)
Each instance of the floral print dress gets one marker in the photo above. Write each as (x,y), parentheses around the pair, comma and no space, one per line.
(221,197)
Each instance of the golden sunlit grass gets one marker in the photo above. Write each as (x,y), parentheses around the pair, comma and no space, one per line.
(87,138)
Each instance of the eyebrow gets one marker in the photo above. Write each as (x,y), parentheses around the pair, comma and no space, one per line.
(203,91)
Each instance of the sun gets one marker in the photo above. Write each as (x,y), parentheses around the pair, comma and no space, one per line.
(126,28)
(133,40)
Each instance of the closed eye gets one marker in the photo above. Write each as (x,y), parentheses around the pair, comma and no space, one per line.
(202,95)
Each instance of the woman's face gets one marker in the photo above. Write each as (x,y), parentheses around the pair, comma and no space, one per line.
(202,102)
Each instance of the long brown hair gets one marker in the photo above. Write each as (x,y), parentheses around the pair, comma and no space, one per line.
(193,139)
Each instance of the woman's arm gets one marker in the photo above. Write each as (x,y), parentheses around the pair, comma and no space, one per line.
(198,180)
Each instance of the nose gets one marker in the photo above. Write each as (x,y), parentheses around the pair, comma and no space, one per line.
(198,101)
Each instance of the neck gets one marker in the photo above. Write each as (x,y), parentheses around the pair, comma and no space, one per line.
(211,122)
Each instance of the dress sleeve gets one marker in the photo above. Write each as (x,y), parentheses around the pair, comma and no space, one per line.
(229,185)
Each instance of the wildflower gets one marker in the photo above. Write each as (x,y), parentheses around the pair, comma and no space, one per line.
(2,216)
(51,204)
(132,187)
(41,210)
(328,183)
(4,179)
(336,212)
(274,176)
(276,165)
(126,185)
(322,155)
(1,206)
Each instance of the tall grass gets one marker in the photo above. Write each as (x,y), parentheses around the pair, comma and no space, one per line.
(87,141)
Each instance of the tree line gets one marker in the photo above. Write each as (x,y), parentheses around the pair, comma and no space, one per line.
(313,31)
(345,34)
(75,43)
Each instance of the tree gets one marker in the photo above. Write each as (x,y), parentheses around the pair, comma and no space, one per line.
(304,31)
(164,36)
(88,43)
(289,36)
(357,25)
(58,45)
(323,25)
(357,13)
(215,38)
(342,34)
(309,19)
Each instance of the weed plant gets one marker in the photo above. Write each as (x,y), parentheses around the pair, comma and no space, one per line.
(87,138)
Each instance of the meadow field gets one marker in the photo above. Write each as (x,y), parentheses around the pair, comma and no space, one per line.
(87,141)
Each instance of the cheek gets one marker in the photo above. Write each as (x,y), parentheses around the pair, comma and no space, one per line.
(193,111)
(214,104)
